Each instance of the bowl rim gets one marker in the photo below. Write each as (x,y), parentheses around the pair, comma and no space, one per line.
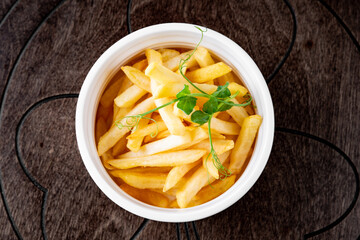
(86,142)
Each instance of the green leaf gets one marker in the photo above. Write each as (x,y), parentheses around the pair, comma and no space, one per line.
(210,106)
(200,117)
(187,104)
(224,107)
(222,91)
(184,92)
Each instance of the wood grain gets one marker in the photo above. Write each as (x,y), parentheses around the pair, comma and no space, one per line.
(305,185)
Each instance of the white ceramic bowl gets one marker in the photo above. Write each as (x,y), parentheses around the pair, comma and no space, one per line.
(172,35)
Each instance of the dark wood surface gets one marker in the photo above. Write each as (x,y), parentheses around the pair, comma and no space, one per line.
(47,47)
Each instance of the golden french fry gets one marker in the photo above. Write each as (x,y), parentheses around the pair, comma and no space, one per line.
(235,87)
(167,54)
(173,142)
(237,113)
(159,146)
(110,138)
(122,112)
(224,127)
(106,156)
(212,166)
(153,56)
(193,185)
(171,89)
(174,204)
(108,96)
(210,192)
(160,135)
(134,144)
(229,77)
(185,194)
(150,129)
(173,63)
(220,145)
(100,129)
(208,73)
(203,57)
(223,116)
(177,173)
(162,74)
(160,160)
(120,146)
(172,122)
(147,196)
(141,65)
(244,142)
(103,112)
(141,180)
(129,97)
(137,77)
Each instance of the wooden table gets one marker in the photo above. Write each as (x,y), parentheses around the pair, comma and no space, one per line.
(47,48)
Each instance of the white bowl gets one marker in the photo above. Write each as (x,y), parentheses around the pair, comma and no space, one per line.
(172,35)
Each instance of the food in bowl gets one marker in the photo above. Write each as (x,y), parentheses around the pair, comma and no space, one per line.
(175,127)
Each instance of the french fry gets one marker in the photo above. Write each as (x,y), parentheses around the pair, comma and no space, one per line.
(134,144)
(235,87)
(208,73)
(220,145)
(173,142)
(244,142)
(120,146)
(153,56)
(203,57)
(224,127)
(162,74)
(237,113)
(171,89)
(141,65)
(110,138)
(126,83)
(122,112)
(173,63)
(197,181)
(141,180)
(129,97)
(145,170)
(103,112)
(211,192)
(160,160)
(177,173)
(223,116)
(210,165)
(137,77)
(229,77)
(172,122)
(147,196)
(160,135)
(167,54)
(108,96)
(100,129)
(150,129)
(106,156)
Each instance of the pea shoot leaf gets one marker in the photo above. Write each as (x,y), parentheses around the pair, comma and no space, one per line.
(211,106)
(222,91)
(184,92)
(200,117)
(224,107)
(187,104)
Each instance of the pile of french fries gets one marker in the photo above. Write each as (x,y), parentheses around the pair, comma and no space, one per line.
(165,162)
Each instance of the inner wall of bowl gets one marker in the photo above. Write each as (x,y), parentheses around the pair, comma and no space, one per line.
(111,61)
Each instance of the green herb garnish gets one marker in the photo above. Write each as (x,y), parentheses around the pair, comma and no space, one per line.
(219,101)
